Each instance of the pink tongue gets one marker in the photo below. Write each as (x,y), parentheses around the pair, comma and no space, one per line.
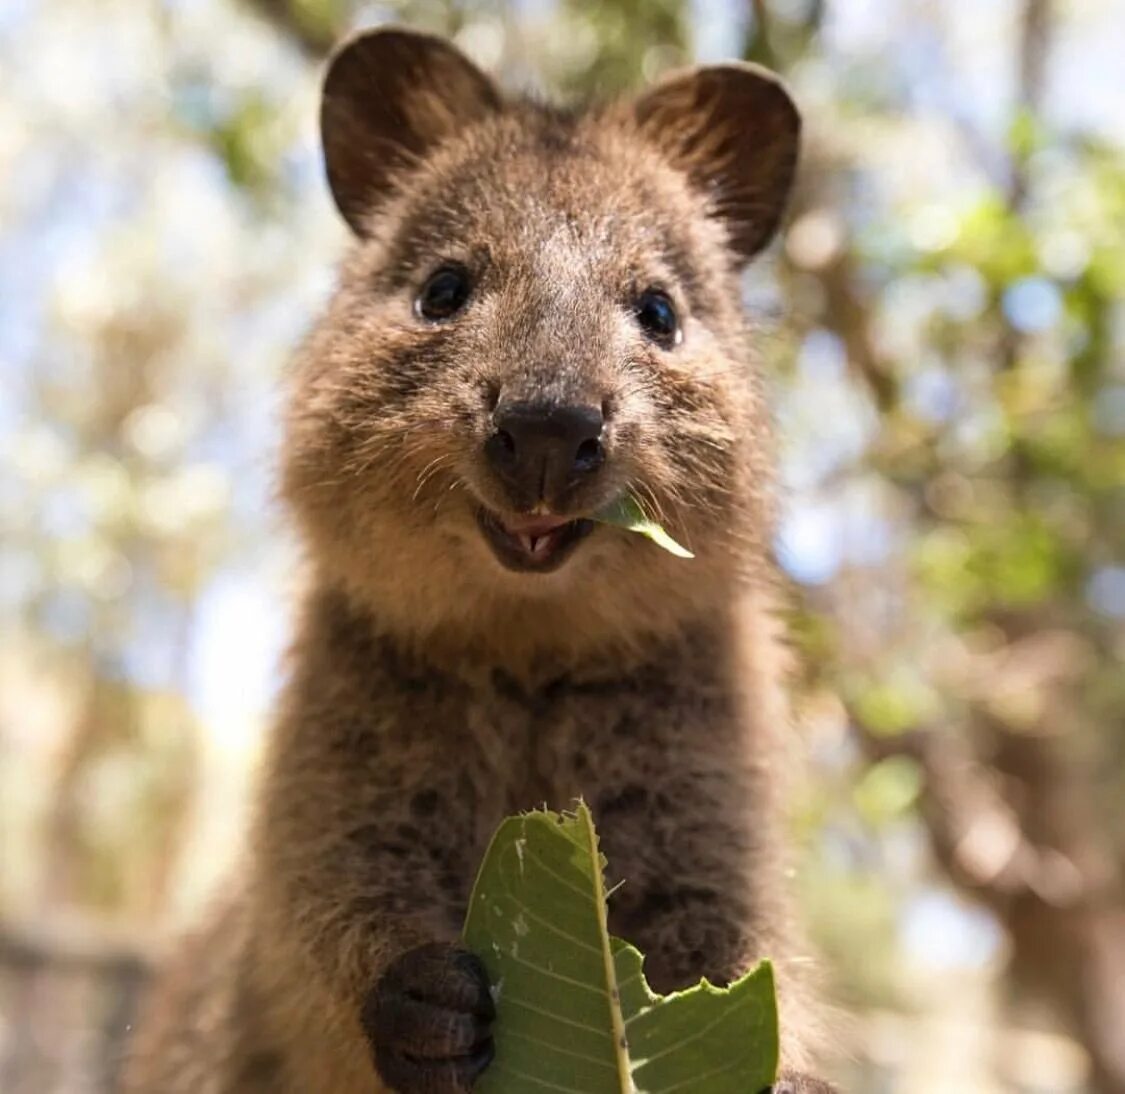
(535,545)
(533,526)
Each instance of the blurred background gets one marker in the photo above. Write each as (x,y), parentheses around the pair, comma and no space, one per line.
(943,330)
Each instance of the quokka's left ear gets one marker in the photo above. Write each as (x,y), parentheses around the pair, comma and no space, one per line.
(734,130)
(390,97)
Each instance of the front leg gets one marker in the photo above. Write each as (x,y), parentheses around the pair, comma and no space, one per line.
(367,846)
(694,868)
(681,791)
(700,890)
(683,786)
(370,871)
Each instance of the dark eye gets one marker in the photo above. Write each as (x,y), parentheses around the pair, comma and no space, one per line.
(444,294)
(657,316)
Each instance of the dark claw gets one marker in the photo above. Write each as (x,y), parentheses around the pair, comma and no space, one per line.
(413,1076)
(428,1020)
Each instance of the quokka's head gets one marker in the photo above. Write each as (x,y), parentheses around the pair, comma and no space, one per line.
(540,315)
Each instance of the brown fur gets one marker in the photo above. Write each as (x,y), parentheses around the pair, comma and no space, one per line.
(433,692)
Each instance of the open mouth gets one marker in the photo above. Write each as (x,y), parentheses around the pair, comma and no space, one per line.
(532,544)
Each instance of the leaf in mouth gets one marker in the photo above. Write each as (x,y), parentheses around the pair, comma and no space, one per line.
(626,512)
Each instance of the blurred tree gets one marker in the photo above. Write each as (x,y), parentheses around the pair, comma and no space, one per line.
(997,670)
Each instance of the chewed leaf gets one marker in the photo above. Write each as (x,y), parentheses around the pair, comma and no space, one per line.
(627,513)
(574,1012)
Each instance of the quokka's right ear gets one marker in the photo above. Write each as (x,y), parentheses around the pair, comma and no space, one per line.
(390,96)
(734,131)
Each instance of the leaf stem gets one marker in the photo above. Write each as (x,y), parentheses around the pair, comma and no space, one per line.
(620,1043)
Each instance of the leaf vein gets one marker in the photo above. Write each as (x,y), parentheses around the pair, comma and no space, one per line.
(507,1069)
(734,1008)
(517,1001)
(560,931)
(729,1065)
(584,1057)
(597,990)
(584,894)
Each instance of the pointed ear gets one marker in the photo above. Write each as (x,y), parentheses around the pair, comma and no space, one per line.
(390,96)
(733,129)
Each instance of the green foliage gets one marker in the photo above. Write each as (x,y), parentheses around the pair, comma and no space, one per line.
(627,42)
(238,141)
(628,513)
(888,789)
(574,1011)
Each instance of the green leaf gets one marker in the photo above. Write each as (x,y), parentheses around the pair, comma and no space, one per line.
(627,513)
(574,1013)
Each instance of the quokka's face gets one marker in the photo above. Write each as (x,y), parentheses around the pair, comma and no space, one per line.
(541,316)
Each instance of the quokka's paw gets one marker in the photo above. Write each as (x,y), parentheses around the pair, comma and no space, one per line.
(788,1082)
(429,1021)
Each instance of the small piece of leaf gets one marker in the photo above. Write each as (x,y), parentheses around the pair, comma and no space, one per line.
(574,1013)
(627,513)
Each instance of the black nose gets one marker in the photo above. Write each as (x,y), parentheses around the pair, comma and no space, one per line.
(543,449)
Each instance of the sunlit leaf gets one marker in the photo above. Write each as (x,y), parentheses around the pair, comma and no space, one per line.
(627,513)
(574,1012)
